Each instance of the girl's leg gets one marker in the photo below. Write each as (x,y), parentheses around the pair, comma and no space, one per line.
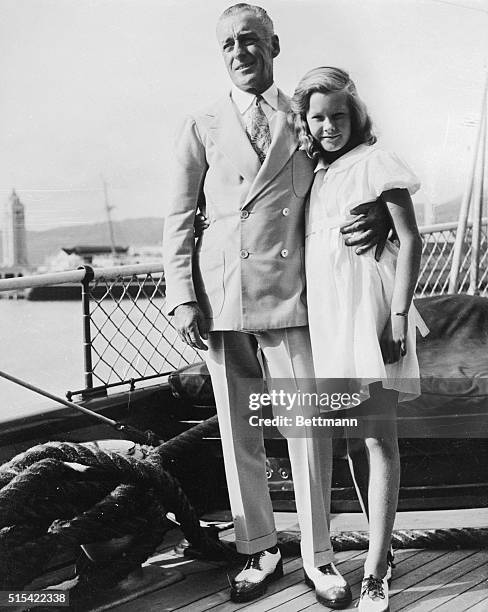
(384,476)
(359,467)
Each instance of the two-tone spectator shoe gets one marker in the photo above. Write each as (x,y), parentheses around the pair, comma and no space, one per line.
(261,569)
(331,589)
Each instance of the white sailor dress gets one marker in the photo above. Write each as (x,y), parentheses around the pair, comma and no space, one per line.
(349,296)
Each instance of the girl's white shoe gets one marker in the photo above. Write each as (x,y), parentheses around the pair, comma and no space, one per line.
(374,595)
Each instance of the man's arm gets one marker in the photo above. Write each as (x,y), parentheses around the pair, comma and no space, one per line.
(370,229)
(178,240)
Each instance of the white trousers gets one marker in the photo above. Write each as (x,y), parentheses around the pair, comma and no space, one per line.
(232,360)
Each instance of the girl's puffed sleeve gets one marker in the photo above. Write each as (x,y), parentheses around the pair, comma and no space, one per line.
(387,171)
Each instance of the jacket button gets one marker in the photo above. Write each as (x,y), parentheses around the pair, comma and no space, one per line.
(285,212)
(284,253)
(244,214)
(244,254)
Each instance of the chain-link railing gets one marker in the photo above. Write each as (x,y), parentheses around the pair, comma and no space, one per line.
(129,338)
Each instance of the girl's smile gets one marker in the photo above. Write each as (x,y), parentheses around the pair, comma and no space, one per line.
(329,120)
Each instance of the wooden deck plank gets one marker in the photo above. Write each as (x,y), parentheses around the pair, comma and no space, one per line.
(417,573)
(201,577)
(220,599)
(202,580)
(470,590)
(292,592)
(417,561)
(429,588)
(481,606)
(414,519)
(422,565)
(206,585)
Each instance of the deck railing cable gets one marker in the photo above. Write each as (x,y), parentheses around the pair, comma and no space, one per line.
(437,256)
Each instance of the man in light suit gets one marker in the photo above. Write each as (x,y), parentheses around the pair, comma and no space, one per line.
(242,289)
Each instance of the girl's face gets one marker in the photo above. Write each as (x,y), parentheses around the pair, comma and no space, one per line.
(329,120)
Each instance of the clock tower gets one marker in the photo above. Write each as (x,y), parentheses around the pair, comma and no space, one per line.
(13,233)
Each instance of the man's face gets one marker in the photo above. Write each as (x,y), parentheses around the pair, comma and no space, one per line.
(248,51)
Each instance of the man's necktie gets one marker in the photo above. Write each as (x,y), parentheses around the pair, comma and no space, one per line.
(257,128)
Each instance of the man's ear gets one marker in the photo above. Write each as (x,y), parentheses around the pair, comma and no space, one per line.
(275,45)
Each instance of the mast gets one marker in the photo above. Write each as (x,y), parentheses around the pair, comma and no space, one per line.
(465,204)
(477,213)
(108,208)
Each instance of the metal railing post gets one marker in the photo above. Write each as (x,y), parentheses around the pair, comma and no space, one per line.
(87,341)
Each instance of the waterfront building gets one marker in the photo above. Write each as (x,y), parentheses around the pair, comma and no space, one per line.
(14,242)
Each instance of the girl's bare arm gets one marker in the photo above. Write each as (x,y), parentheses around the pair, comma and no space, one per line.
(400,207)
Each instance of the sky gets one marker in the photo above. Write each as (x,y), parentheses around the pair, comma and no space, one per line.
(94,90)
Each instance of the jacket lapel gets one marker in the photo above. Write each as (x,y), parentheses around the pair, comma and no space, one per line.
(229,136)
(282,147)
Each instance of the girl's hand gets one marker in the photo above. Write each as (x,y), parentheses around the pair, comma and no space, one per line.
(200,224)
(393,341)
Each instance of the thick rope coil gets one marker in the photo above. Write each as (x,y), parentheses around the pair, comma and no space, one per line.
(150,532)
(57,496)
(185,443)
(63,451)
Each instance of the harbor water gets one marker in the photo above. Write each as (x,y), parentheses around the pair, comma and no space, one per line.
(42,344)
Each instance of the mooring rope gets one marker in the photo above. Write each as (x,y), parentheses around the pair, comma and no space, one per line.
(56,496)
(186,442)
(440,539)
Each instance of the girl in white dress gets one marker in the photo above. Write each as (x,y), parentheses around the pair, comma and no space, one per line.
(361,318)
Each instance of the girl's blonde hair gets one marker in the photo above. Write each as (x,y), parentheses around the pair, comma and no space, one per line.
(326,79)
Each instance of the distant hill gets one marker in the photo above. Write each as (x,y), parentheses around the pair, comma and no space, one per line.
(443,213)
(129,232)
(448,211)
(147,231)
